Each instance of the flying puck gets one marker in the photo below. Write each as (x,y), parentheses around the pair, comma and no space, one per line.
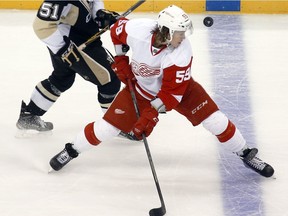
(208,21)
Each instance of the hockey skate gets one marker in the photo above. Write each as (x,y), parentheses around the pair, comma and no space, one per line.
(129,136)
(29,124)
(63,157)
(251,161)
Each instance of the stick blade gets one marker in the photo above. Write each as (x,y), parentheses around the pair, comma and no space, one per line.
(157,211)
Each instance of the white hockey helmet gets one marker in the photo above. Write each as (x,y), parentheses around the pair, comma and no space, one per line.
(175,19)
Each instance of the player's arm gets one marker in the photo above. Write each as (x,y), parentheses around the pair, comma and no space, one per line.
(174,83)
(119,36)
(52,25)
(121,65)
(46,24)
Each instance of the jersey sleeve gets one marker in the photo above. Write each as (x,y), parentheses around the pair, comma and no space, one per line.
(118,33)
(174,84)
(52,23)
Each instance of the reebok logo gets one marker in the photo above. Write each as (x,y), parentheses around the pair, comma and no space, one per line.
(119,111)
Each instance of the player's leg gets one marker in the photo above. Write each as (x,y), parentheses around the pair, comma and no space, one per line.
(231,138)
(106,93)
(120,116)
(44,95)
(198,107)
(92,135)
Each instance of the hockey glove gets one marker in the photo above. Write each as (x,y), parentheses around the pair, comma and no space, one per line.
(123,69)
(105,18)
(69,53)
(146,123)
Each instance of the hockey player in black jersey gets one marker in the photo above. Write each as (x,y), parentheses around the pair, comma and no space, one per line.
(63,26)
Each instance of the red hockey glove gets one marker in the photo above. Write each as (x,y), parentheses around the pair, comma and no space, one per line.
(146,123)
(122,68)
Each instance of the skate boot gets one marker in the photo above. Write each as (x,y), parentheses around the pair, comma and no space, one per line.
(251,161)
(63,157)
(28,121)
(129,136)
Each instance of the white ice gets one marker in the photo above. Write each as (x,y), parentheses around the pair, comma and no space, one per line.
(114,179)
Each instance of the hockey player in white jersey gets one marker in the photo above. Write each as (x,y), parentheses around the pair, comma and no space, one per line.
(160,70)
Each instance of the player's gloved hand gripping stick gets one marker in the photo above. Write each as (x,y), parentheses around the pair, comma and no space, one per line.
(98,34)
(123,69)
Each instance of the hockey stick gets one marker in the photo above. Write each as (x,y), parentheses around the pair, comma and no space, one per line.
(156,211)
(98,34)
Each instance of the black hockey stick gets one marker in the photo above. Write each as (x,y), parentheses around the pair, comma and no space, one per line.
(98,34)
(156,211)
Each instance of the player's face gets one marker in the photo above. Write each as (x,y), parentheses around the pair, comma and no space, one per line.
(177,38)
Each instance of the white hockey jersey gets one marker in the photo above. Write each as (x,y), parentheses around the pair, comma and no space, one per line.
(163,73)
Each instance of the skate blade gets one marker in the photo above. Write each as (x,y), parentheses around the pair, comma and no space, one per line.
(51,170)
(120,138)
(273,177)
(127,137)
(24,134)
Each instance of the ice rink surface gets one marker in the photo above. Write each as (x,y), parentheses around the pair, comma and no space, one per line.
(242,62)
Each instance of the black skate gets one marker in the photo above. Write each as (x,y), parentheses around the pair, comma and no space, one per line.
(251,161)
(63,157)
(129,136)
(28,121)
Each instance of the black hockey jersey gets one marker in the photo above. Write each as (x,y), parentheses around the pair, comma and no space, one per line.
(74,19)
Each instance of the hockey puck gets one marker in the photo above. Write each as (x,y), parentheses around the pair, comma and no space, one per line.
(208,21)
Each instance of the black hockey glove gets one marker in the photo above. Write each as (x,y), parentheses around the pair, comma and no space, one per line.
(69,53)
(105,17)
